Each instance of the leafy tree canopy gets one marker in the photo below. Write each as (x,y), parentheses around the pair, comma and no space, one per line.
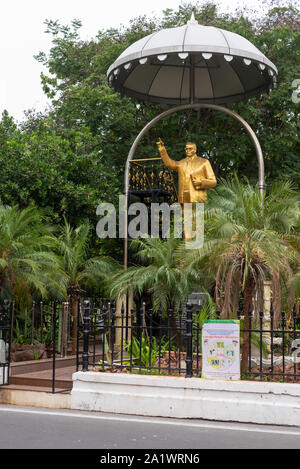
(77,83)
(72,157)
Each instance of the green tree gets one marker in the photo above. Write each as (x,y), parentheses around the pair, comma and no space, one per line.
(72,157)
(160,273)
(77,83)
(61,173)
(81,270)
(28,265)
(296,284)
(250,239)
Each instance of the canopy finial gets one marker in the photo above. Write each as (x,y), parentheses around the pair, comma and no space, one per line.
(192,20)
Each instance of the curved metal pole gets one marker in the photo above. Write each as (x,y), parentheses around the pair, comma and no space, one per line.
(261,166)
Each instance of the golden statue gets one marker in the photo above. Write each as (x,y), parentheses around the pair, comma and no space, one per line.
(195,174)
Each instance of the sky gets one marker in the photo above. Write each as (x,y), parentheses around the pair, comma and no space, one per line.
(22,35)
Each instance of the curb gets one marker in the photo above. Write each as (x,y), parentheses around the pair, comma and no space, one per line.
(194,398)
(40,399)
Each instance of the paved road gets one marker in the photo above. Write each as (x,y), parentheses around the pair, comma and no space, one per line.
(40,428)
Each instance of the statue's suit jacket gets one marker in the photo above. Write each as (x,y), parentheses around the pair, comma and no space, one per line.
(195,175)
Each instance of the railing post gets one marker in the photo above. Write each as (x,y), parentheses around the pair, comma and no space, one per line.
(283,324)
(272,337)
(189,340)
(4,341)
(78,334)
(86,332)
(53,346)
(250,338)
(10,338)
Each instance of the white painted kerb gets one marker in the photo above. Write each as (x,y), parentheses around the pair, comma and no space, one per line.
(159,396)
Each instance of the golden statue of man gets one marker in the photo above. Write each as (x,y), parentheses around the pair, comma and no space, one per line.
(195,174)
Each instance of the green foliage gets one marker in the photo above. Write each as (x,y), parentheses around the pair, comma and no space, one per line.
(81,270)
(159,271)
(297,283)
(146,351)
(22,332)
(27,263)
(257,340)
(72,158)
(80,67)
(23,337)
(208,312)
(250,237)
(35,354)
(60,171)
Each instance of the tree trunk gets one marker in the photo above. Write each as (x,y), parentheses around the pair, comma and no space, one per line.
(248,296)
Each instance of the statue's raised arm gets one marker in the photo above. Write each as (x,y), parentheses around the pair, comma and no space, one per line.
(171,164)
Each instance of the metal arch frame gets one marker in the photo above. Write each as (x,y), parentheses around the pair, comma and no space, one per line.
(261,166)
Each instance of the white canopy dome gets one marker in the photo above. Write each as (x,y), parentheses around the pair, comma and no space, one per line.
(192,64)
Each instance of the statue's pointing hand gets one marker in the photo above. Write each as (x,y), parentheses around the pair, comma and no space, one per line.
(160,144)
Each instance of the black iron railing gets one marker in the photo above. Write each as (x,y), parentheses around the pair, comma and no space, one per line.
(274,345)
(144,342)
(5,341)
(42,332)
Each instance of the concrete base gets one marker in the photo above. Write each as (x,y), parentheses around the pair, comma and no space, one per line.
(158,396)
(34,399)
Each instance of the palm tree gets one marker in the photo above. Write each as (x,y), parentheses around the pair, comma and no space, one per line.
(249,238)
(72,245)
(296,284)
(160,272)
(27,263)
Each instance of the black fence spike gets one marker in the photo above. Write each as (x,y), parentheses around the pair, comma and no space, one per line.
(189,340)
(86,332)
(157,333)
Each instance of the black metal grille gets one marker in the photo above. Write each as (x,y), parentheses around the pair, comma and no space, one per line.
(5,342)
(43,324)
(274,349)
(145,342)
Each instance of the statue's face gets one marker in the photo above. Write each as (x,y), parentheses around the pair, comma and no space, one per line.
(190,150)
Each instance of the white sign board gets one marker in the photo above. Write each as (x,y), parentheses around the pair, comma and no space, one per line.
(221,350)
